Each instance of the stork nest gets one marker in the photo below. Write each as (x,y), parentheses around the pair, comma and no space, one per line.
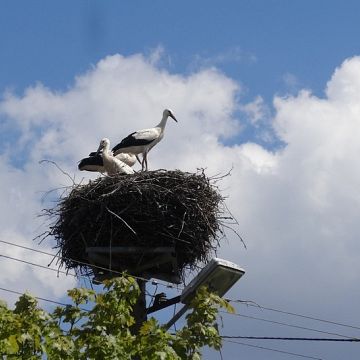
(148,209)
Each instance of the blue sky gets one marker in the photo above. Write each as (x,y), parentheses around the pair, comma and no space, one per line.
(270,88)
(53,41)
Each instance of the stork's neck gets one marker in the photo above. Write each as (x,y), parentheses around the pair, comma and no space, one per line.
(105,151)
(162,123)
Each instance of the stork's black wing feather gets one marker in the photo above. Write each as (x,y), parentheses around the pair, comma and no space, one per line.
(131,140)
(91,161)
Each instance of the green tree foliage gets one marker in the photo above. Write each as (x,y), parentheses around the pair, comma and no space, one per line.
(97,326)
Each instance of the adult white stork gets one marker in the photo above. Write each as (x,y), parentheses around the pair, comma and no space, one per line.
(142,141)
(112,164)
(94,162)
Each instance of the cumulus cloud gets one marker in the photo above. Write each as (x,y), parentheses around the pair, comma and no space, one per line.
(21,191)
(300,219)
(115,97)
(256,110)
(121,94)
(297,206)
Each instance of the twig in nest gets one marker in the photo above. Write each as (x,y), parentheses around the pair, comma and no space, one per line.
(120,218)
(59,168)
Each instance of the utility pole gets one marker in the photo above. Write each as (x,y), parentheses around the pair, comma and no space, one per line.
(139,310)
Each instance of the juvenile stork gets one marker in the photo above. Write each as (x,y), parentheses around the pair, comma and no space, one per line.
(142,141)
(112,165)
(94,162)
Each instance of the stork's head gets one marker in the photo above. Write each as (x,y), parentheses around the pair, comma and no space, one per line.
(168,112)
(104,144)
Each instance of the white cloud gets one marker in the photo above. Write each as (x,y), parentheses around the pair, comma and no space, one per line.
(300,220)
(20,193)
(256,117)
(297,207)
(115,97)
(256,110)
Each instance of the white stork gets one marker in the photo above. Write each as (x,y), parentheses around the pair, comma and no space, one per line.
(112,165)
(94,162)
(142,141)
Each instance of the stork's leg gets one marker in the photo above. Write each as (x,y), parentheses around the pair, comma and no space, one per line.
(137,158)
(143,162)
(146,163)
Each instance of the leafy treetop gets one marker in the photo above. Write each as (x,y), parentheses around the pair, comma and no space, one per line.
(102,329)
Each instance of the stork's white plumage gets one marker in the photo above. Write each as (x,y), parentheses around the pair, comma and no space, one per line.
(94,162)
(127,158)
(142,141)
(112,165)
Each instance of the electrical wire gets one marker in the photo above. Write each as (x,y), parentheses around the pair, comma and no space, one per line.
(36,297)
(286,324)
(274,350)
(53,269)
(228,338)
(66,258)
(74,275)
(38,265)
(348,338)
(289,338)
(243,302)
(223,337)
(221,355)
(167,285)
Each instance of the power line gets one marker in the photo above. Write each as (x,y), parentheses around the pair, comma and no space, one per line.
(223,337)
(38,265)
(74,275)
(36,297)
(79,262)
(274,350)
(32,249)
(62,257)
(286,324)
(171,286)
(243,302)
(57,256)
(288,338)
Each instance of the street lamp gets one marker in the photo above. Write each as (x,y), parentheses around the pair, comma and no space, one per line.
(218,276)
